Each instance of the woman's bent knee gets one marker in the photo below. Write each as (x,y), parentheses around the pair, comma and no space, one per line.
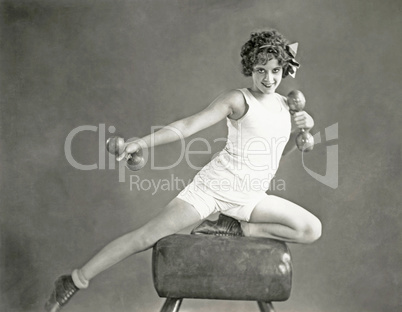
(311,231)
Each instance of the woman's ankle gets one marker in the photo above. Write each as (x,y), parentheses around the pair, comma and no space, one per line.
(79,279)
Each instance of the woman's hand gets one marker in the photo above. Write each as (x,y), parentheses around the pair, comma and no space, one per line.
(130,148)
(303,120)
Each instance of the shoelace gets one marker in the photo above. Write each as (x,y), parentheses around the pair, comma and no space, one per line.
(69,291)
(231,229)
(67,296)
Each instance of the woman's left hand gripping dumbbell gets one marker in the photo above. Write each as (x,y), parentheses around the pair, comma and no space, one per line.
(302,120)
(131,152)
(304,141)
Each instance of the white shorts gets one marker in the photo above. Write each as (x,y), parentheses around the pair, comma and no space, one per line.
(207,204)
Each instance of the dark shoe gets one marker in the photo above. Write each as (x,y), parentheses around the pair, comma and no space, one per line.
(64,289)
(224,226)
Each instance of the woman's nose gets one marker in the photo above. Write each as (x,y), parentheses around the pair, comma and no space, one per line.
(268,77)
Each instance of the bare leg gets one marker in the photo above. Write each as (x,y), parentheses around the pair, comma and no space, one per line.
(278,218)
(176,216)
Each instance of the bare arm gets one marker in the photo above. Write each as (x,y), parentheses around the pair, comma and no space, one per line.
(291,145)
(228,104)
(300,120)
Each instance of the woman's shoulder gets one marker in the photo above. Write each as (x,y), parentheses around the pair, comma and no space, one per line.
(235,95)
(235,99)
(283,99)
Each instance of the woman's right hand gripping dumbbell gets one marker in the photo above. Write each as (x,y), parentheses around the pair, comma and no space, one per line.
(131,152)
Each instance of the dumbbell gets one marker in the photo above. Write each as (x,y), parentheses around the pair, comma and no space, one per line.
(296,103)
(115,146)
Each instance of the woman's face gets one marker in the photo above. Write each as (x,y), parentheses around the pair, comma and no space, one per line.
(266,78)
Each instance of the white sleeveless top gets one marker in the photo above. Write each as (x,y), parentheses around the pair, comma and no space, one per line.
(242,171)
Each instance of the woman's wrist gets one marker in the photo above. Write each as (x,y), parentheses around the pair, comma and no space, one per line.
(141,143)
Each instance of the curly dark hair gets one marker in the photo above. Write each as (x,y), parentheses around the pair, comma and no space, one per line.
(273,45)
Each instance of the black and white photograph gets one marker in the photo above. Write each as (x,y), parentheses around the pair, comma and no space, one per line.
(200,155)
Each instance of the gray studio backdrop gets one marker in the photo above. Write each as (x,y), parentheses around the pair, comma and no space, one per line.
(137,64)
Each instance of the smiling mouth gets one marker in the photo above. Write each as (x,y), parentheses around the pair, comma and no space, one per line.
(267,85)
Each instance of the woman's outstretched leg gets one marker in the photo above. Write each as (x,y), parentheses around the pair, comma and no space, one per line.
(278,218)
(176,216)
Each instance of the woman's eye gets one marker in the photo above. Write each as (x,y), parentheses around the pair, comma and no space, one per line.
(260,71)
(276,70)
